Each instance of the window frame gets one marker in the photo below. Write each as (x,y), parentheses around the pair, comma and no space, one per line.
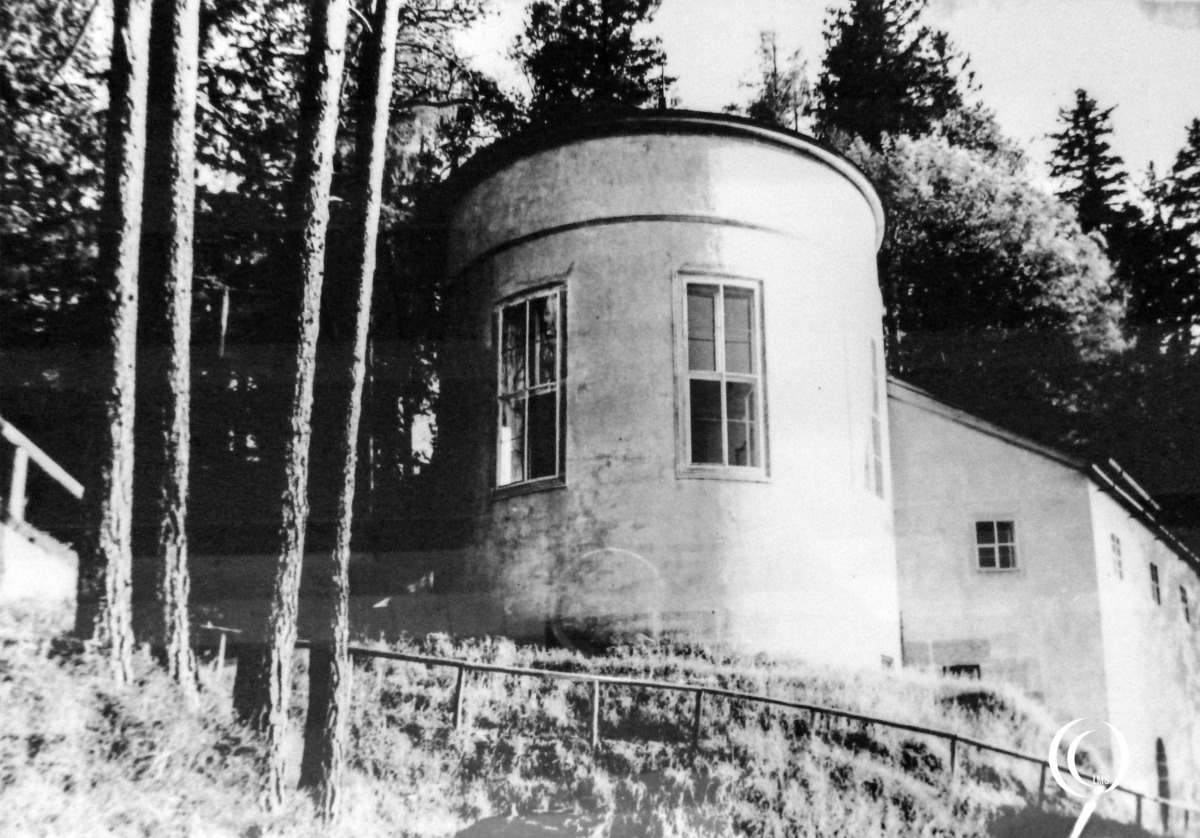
(557,291)
(1186,603)
(1117,558)
(875,475)
(1155,585)
(684,467)
(1015,543)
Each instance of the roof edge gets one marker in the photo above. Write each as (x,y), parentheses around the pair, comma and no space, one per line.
(933,404)
(493,158)
(1109,481)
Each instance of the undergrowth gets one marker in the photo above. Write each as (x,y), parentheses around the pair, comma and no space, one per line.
(79,756)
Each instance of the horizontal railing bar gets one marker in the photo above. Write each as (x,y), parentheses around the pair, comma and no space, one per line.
(616,680)
(60,474)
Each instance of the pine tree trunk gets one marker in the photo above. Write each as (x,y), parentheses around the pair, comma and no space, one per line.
(329,661)
(108,553)
(264,701)
(169,208)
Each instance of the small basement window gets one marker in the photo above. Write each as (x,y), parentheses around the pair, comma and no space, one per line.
(530,407)
(996,545)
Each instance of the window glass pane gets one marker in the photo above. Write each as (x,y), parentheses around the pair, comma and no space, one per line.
(987,556)
(510,454)
(543,435)
(702,336)
(985,533)
(706,421)
(543,321)
(1004,532)
(512,348)
(739,330)
(743,444)
(1007,556)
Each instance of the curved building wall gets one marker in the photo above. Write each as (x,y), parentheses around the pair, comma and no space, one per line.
(792,553)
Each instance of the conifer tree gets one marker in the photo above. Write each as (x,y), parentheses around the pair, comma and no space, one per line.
(329,660)
(1182,197)
(781,93)
(582,58)
(1093,177)
(165,321)
(109,553)
(262,692)
(886,74)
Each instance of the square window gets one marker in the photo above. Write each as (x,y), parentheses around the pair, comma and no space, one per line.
(996,545)
(530,412)
(723,402)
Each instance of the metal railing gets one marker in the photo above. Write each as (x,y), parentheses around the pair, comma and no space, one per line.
(596,681)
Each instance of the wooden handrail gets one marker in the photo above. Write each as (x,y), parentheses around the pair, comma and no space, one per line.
(9,431)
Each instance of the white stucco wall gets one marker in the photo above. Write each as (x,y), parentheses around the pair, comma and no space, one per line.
(799,563)
(1037,626)
(1151,654)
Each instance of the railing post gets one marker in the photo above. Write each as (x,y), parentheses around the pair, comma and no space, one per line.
(696,719)
(458,696)
(595,737)
(221,654)
(16,491)
(1042,787)
(953,752)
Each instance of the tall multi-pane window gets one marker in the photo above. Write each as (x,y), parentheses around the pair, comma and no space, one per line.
(530,340)
(996,545)
(1183,598)
(1116,556)
(724,375)
(1155,592)
(874,469)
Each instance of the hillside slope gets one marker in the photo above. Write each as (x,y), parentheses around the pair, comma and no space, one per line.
(79,757)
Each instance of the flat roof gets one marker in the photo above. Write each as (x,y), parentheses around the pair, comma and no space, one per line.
(496,157)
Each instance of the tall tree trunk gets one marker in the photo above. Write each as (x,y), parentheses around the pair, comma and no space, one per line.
(108,554)
(324,62)
(329,661)
(169,207)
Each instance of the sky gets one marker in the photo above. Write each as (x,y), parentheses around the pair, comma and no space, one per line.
(1029,56)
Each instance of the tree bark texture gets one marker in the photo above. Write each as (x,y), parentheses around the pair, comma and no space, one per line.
(319,100)
(109,551)
(329,662)
(169,208)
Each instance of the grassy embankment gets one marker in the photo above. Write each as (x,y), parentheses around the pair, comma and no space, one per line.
(80,757)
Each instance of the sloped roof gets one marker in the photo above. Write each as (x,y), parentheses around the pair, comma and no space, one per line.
(1109,478)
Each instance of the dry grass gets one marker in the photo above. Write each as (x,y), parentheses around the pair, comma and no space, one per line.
(79,757)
